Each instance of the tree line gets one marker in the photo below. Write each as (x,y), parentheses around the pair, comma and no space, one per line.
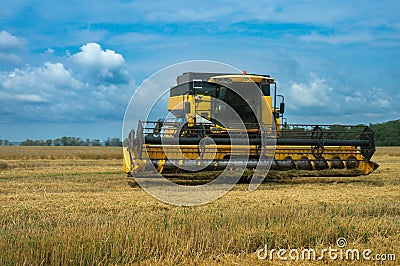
(67,141)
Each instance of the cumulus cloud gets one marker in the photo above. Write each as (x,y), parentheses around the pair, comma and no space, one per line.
(103,65)
(371,100)
(10,45)
(317,100)
(29,93)
(92,55)
(314,93)
(53,92)
(92,85)
(9,41)
(40,80)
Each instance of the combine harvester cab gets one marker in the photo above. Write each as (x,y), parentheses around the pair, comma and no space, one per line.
(192,139)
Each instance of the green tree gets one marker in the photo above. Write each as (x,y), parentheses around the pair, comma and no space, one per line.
(387,133)
(107,142)
(113,142)
(96,142)
(72,141)
(57,142)
(27,142)
(64,141)
(116,142)
(87,142)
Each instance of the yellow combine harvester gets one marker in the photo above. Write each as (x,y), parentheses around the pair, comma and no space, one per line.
(220,120)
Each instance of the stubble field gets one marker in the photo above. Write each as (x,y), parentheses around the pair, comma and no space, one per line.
(75,206)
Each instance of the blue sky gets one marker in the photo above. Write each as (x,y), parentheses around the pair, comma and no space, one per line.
(70,67)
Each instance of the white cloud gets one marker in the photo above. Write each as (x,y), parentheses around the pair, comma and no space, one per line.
(315,93)
(27,94)
(44,79)
(93,56)
(53,93)
(373,100)
(317,101)
(9,41)
(10,46)
(28,98)
(101,65)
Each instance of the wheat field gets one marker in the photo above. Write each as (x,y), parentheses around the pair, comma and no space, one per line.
(75,206)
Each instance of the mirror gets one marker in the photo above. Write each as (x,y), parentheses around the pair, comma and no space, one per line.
(282,108)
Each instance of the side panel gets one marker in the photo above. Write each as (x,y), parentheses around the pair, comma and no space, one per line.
(266,104)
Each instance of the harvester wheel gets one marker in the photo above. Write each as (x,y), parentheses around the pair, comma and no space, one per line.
(352,162)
